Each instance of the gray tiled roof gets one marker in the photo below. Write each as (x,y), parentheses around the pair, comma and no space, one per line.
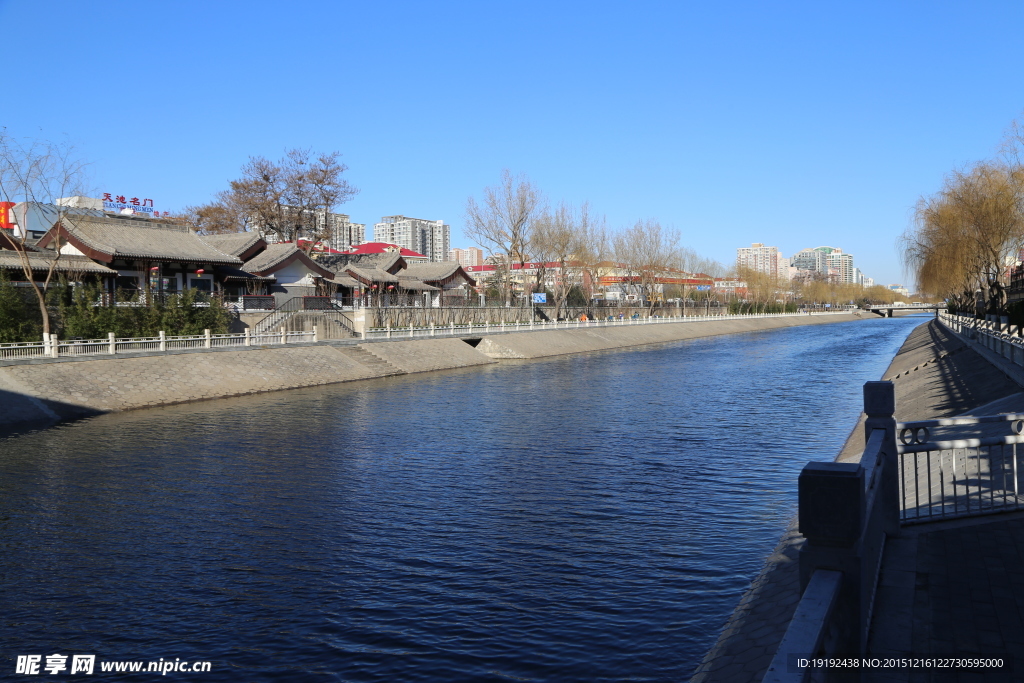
(65,264)
(147,239)
(270,257)
(433,271)
(232,273)
(345,281)
(371,274)
(234,243)
(339,263)
(409,283)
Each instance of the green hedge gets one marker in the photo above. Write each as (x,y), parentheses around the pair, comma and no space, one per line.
(74,313)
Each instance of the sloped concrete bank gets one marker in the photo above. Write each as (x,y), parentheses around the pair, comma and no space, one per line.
(935,374)
(40,393)
(35,395)
(557,342)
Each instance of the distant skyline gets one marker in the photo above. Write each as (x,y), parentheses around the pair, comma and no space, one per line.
(796,125)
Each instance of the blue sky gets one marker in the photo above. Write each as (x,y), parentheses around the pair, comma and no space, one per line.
(794,124)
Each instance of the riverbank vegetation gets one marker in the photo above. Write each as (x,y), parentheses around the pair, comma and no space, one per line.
(520,228)
(82,311)
(967,238)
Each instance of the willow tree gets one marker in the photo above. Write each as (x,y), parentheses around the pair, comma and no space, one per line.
(967,235)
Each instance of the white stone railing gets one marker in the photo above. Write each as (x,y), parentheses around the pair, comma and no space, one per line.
(54,348)
(997,336)
(495,328)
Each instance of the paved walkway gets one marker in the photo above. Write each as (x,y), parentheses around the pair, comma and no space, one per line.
(952,589)
(956,588)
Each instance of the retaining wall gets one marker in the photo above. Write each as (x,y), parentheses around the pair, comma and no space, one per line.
(557,342)
(40,393)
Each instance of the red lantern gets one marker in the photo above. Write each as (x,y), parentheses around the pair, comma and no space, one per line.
(391,286)
(155,268)
(200,271)
(373,286)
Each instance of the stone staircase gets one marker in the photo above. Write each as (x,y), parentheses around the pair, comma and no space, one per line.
(369,360)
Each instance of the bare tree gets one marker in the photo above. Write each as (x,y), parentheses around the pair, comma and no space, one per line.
(564,238)
(646,252)
(503,224)
(38,171)
(314,188)
(291,198)
(222,215)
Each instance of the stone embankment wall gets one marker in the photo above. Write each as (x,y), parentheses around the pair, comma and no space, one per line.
(40,393)
(557,342)
(935,374)
(43,393)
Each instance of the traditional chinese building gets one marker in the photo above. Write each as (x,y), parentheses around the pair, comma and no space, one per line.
(148,255)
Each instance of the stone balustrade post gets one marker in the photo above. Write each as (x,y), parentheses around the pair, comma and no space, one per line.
(163,340)
(846,519)
(208,339)
(248,336)
(880,409)
(112,341)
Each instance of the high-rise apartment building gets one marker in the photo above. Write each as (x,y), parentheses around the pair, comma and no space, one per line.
(474,256)
(840,265)
(762,259)
(810,260)
(431,238)
(342,234)
(828,261)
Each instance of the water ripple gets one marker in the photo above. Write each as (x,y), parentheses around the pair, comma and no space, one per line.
(592,517)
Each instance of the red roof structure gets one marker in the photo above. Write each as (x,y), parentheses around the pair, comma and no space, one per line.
(382,247)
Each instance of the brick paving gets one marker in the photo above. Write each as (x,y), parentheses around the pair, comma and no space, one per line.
(952,589)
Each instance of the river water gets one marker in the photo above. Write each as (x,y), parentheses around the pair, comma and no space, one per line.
(584,518)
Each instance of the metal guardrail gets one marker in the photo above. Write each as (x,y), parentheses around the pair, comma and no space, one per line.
(299,307)
(959,475)
(53,348)
(494,328)
(910,472)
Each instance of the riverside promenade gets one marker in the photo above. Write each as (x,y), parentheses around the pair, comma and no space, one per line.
(944,590)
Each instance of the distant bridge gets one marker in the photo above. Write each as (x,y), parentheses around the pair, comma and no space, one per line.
(885,310)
